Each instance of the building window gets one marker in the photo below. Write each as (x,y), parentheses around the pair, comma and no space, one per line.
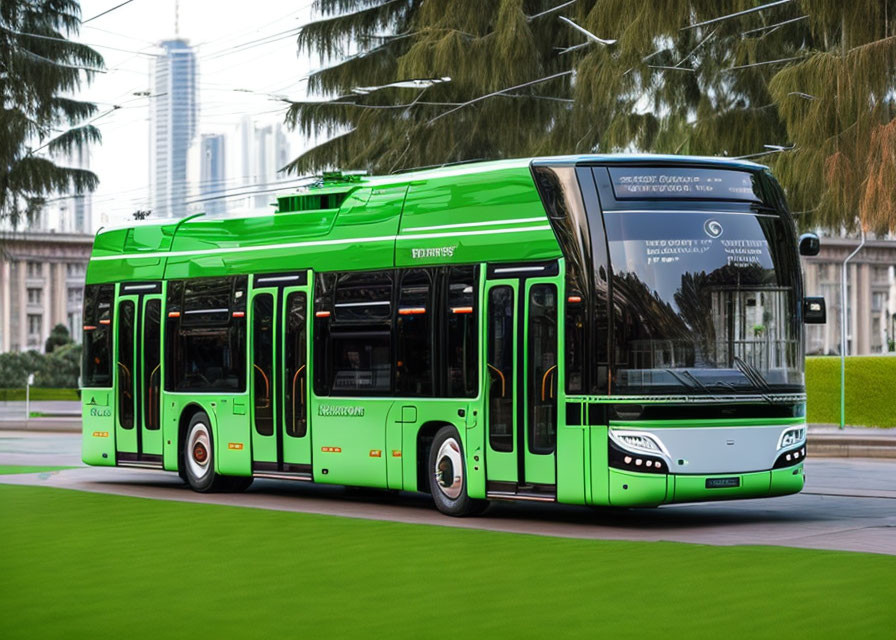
(75,295)
(34,295)
(35,322)
(75,269)
(35,270)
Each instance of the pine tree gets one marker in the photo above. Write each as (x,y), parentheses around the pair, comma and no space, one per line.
(816,79)
(39,69)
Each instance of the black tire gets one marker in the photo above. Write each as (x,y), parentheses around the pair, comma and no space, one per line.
(199,458)
(447,475)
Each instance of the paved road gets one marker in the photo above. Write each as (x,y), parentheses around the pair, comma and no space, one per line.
(848,504)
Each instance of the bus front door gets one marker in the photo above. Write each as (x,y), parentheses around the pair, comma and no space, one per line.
(278,348)
(521,371)
(138,347)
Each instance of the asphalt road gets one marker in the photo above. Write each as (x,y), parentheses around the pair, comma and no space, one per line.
(848,504)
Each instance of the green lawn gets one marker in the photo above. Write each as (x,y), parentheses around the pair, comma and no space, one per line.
(6,469)
(80,565)
(870,390)
(38,393)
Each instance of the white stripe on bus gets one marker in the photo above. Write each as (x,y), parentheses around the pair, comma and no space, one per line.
(314,243)
(475,224)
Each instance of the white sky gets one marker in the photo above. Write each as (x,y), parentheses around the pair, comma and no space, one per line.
(231,83)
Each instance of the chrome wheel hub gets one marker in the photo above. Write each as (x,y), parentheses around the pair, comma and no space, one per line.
(449,469)
(199,451)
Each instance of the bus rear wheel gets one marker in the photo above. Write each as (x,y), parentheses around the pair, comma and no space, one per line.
(199,462)
(448,478)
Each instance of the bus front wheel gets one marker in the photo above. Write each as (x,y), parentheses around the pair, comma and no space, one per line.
(199,462)
(448,478)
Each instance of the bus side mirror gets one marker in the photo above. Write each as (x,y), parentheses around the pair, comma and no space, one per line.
(814,311)
(810,245)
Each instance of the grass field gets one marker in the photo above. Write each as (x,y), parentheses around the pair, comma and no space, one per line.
(870,390)
(38,393)
(80,565)
(6,469)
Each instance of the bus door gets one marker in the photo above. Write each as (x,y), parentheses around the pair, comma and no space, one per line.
(278,353)
(138,348)
(521,363)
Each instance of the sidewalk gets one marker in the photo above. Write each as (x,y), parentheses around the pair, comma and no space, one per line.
(825,440)
(829,441)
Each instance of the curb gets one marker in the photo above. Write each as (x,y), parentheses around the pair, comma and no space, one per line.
(59,425)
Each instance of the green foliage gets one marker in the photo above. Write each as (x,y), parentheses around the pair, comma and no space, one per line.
(869,390)
(37,65)
(824,85)
(57,369)
(39,393)
(351,577)
(58,337)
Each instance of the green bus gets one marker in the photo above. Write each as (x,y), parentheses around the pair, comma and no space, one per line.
(595,330)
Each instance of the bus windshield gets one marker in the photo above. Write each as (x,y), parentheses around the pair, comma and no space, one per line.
(704,302)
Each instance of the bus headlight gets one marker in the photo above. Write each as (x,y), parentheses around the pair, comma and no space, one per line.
(792,437)
(638,442)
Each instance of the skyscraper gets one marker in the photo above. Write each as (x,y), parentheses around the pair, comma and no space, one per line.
(212,175)
(173,126)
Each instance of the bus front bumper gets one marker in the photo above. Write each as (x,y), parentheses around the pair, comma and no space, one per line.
(631,489)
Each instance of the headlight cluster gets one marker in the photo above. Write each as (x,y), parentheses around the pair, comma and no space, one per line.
(790,458)
(634,451)
(792,437)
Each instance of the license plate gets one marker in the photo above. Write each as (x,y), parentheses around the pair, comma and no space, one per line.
(722,483)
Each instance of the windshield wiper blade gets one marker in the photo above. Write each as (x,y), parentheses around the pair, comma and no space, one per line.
(756,378)
(691,385)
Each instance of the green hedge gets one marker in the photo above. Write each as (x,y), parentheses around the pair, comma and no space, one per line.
(39,393)
(870,390)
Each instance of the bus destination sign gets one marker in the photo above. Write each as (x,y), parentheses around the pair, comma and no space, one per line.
(685,183)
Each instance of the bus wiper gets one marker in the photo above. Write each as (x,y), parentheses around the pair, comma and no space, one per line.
(691,385)
(755,377)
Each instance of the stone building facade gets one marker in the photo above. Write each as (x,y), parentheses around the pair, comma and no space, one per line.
(41,285)
(870,293)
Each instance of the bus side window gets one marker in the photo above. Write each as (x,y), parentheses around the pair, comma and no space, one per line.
(500,367)
(414,329)
(542,355)
(461,333)
(360,334)
(126,364)
(296,370)
(209,335)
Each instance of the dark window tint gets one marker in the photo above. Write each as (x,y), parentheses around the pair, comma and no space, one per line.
(152,370)
(414,369)
(296,371)
(324,286)
(542,362)
(461,332)
(361,362)
(97,362)
(500,368)
(263,362)
(206,350)
(207,301)
(365,295)
(126,364)
(576,320)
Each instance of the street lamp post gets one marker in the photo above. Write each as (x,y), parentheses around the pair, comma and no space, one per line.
(843,331)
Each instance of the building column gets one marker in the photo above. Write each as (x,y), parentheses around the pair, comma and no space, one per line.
(23,305)
(863,302)
(5,288)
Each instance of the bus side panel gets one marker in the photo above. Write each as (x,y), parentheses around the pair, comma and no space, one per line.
(98,427)
(600,479)
(348,438)
(571,476)
(234,442)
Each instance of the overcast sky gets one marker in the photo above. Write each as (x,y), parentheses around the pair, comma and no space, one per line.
(234,74)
